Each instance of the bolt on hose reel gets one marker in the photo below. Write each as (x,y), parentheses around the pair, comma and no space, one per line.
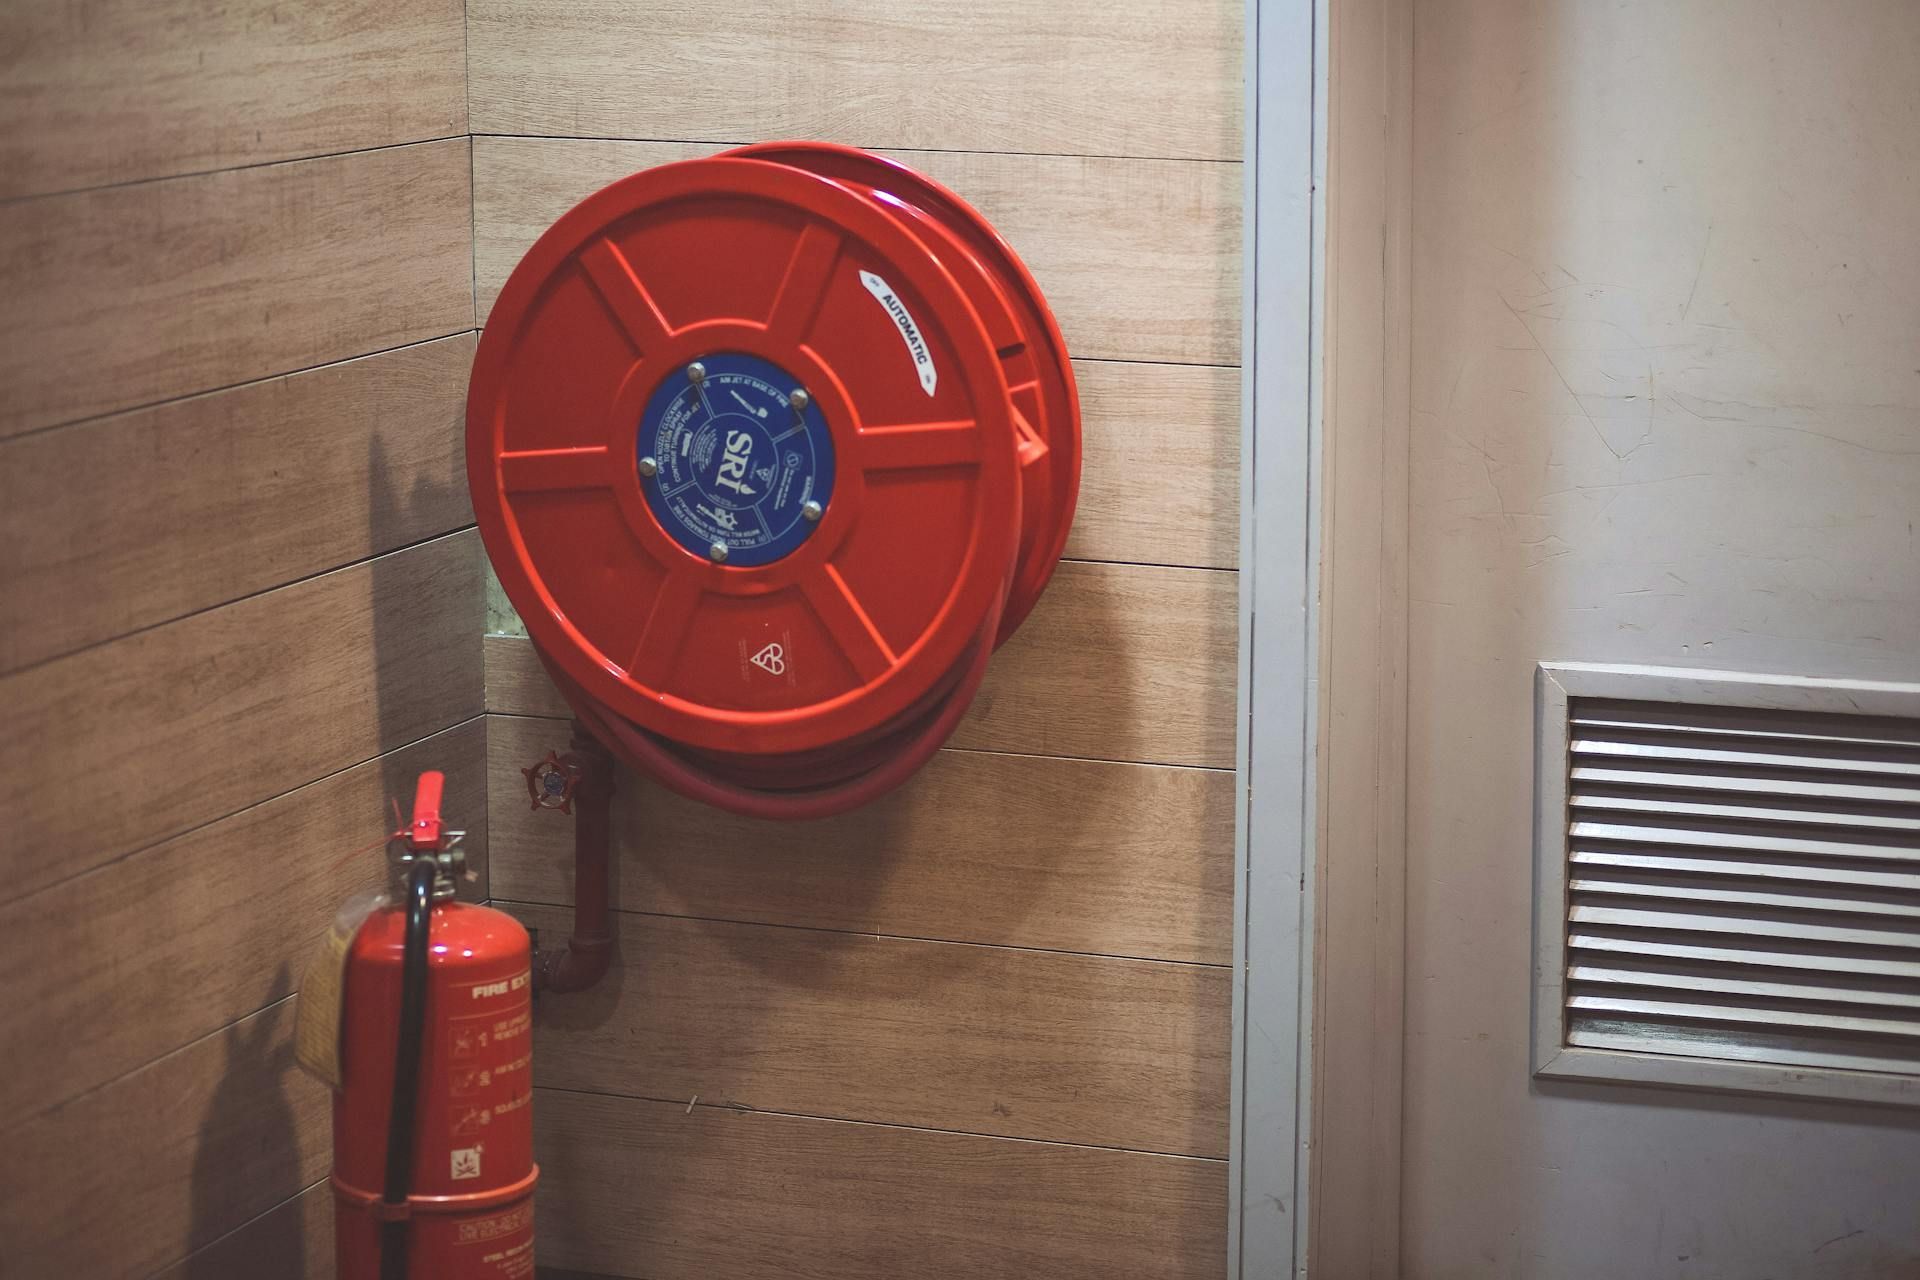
(771,450)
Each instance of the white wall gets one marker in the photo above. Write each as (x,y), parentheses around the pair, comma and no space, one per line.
(1666,408)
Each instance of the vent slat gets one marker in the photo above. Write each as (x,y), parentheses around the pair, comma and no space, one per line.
(1695,922)
(1868,878)
(1744,759)
(1804,1051)
(1803,787)
(1596,727)
(1746,897)
(1622,833)
(1777,1018)
(1875,967)
(1742,986)
(1743,813)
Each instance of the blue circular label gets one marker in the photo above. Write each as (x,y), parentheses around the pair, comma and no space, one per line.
(733,460)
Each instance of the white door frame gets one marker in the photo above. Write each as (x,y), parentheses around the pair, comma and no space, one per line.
(1278,654)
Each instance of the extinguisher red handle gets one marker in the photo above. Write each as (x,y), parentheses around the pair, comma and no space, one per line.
(424,833)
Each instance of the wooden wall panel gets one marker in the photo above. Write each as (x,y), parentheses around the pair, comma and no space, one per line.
(1118,662)
(974,75)
(656,1189)
(293,1239)
(1068,855)
(1139,259)
(982,952)
(1160,479)
(181,939)
(198,200)
(133,1176)
(993,1040)
(187,722)
(134,294)
(219,496)
(517,685)
(521,185)
(121,90)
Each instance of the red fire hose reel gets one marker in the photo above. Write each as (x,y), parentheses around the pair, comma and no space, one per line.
(771,450)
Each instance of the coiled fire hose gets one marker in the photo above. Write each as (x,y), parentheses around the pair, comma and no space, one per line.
(770,451)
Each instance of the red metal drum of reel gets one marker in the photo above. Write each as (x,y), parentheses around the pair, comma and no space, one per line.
(1025,335)
(769,449)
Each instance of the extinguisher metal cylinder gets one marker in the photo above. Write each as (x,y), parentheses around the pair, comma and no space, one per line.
(469,1211)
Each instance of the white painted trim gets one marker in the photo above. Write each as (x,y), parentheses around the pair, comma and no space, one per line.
(1553,1058)
(1359,867)
(1279,550)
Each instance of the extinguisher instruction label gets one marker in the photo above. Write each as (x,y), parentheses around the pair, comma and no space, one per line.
(488,1059)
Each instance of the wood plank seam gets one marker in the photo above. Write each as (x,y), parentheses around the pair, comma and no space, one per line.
(984,1039)
(215,1243)
(744,1108)
(235,1093)
(1173,220)
(931,151)
(125,1035)
(184,397)
(315,470)
(1168,364)
(140,89)
(304,578)
(1164,636)
(1072,839)
(865,933)
(201,826)
(228,248)
(94,189)
(1164,80)
(563,721)
(300,645)
(176,1051)
(747,1194)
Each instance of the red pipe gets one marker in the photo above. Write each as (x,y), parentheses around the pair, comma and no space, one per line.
(589,951)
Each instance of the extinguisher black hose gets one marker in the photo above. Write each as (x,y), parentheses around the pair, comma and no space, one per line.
(406,1065)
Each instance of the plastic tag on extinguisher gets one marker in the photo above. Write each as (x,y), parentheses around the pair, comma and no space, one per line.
(316,1030)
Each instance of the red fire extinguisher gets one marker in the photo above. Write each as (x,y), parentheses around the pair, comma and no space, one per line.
(433,1169)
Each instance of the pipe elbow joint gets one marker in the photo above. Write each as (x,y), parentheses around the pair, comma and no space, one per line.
(575,967)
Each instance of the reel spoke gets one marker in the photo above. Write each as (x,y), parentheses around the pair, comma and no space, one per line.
(852,629)
(916,445)
(805,283)
(542,470)
(665,632)
(632,306)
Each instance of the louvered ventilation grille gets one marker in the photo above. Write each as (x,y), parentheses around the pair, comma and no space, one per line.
(1744,884)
